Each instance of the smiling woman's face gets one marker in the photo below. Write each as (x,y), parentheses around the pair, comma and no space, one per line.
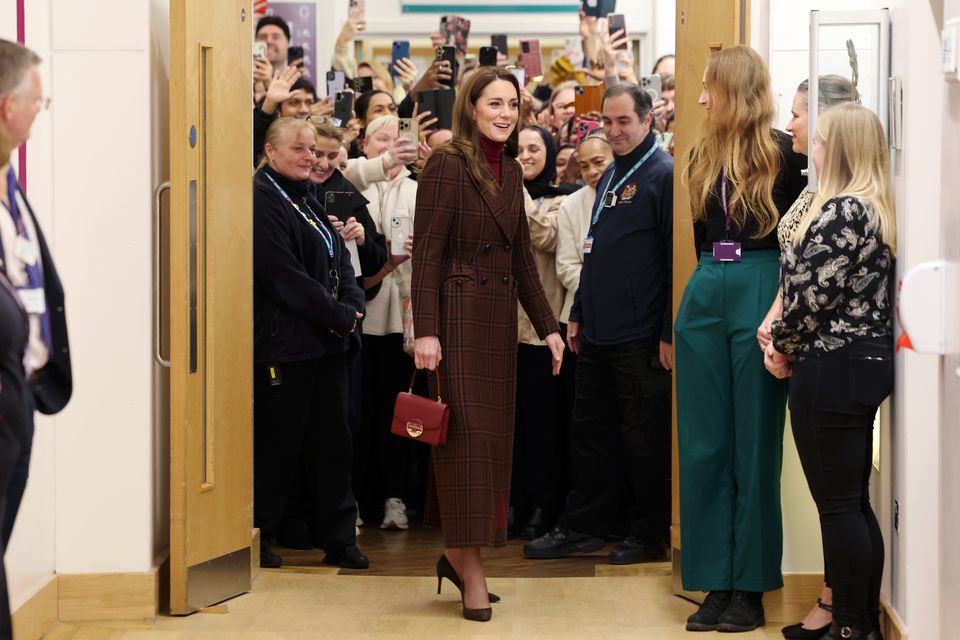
(532,154)
(497,110)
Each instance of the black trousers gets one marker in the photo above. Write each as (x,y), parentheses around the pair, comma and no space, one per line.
(833,402)
(301,424)
(385,465)
(19,472)
(540,476)
(621,428)
(12,445)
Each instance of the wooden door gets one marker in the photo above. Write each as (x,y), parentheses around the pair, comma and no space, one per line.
(210,304)
(703,26)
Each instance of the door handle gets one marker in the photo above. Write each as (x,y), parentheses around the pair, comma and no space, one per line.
(157,293)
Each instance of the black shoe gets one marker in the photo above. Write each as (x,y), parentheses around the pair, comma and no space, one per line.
(268,559)
(446,570)
(560,543)
(707,617)
(848,633)
(745,612)
(633,550)
(536,526)
(800,632)
(348,558)
(294,535)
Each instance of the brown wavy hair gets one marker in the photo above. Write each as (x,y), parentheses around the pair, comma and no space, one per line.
(466,137)
(738,135)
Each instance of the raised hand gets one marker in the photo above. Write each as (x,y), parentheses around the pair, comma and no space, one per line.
(279,89)
(406,73)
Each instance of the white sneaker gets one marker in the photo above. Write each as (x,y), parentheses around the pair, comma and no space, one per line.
(395,515)
(359,520)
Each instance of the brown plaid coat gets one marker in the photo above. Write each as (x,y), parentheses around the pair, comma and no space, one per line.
(471,262)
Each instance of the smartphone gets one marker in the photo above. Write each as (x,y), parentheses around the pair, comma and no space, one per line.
(461,33)
(410,130)
(488,56)
(337,203)
(401,49)
(358,6)
(530,57)
(616,22)
(584,127)
(362,84)
(599,8)
(343,107)
(449,54)
(587,98)
(651,84)
(439,102)
(520,74)
(400,229)
(499,40)
(336,81)
(294,53)
(259,50)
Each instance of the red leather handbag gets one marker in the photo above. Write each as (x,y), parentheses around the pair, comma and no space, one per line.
(420,419)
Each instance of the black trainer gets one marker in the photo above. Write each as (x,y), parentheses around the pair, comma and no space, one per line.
(633,550)
(707,617)
(745,612)
(269,559)
(348,558)
(561,542)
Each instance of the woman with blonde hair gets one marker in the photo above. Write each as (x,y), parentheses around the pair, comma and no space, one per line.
(742,177)
(835,340)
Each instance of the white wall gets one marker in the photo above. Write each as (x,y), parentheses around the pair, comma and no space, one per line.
(89,498)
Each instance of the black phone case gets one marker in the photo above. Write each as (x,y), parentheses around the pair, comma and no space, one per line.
(343,107)
(488,56)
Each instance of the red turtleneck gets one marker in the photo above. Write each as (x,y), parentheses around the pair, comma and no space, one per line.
(492,151)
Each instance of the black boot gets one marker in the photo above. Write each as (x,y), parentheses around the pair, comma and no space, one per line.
(561,542)
(634,550)
(745,612)
(707,617)
(842,632)
(348,558)
(536,526)
(268,559)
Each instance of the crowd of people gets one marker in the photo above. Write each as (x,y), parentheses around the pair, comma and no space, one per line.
(521,251)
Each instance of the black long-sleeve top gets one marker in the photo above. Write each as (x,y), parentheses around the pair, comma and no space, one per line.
(297,315)
(836,284)
(790,182)
(626,283)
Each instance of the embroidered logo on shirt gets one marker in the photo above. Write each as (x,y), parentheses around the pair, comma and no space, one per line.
(629,192)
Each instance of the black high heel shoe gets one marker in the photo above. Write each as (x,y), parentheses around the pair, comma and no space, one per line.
(446,570)
(799,632)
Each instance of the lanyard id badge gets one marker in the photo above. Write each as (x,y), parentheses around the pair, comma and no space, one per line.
(726,250)
(587,245)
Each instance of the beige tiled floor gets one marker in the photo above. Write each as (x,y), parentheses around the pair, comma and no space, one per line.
(298,605)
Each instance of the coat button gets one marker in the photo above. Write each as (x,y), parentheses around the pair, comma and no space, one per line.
(459,282)
(487,247)
(483,279)
(506,279)
(507,248)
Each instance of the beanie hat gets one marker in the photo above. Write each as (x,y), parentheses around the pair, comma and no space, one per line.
(276,21)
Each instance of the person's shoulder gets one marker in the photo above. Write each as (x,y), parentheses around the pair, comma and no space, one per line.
(442,160)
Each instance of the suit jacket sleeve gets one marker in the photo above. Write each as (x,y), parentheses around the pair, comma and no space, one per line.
(665,224)
(432,223)
(529,288)
(281,275)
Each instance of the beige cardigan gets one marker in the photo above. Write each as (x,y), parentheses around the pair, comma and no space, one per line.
(573,222)
(542,220)
(397,197)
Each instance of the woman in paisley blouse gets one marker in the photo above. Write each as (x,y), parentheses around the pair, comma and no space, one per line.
(835,340)
(832,90)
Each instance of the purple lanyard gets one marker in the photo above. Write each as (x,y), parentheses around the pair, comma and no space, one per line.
(723,195)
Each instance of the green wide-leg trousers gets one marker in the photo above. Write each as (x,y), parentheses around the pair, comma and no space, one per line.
(730,425)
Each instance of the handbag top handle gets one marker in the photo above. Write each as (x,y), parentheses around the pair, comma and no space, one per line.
(414,378)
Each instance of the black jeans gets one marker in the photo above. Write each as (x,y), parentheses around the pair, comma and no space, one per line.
(833,402)
(621,429)
(301,425)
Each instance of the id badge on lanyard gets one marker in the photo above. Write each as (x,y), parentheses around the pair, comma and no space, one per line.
(726,250)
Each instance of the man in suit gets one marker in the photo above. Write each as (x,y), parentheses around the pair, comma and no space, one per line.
(26,261)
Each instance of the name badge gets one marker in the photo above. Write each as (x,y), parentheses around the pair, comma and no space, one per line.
(24,251)
(33,300)
(726,251)
(588,245)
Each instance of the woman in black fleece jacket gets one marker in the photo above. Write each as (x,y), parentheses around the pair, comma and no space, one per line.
(306,307)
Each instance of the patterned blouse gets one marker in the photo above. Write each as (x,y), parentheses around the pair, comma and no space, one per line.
(836,283)
(792,218)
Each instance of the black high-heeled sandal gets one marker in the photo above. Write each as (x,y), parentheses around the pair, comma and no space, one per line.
(800,632)
(446,570)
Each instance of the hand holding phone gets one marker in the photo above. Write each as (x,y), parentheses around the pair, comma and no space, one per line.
(616,22)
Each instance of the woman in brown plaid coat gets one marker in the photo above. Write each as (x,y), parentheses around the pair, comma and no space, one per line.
(471,263)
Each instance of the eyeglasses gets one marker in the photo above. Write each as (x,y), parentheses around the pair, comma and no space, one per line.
(43,103)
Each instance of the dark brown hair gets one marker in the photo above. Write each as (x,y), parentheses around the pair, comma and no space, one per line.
(466,137)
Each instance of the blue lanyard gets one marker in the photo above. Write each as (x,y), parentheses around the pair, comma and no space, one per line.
(315,222)
(600,205)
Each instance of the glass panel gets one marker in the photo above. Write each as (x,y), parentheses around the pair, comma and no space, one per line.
(852,51)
